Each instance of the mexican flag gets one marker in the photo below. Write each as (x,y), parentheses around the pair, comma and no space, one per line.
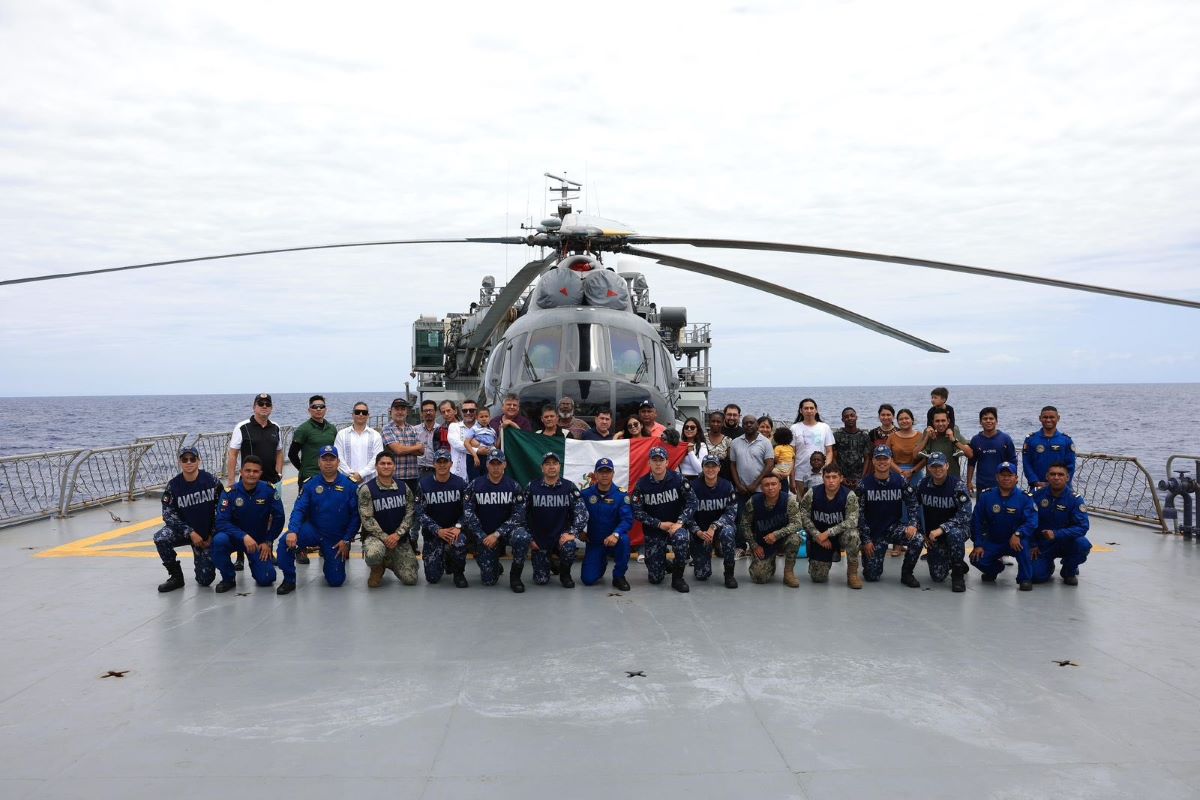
(630,457)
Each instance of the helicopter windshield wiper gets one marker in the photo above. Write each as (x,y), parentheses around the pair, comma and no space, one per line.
(642,369)
(529,366)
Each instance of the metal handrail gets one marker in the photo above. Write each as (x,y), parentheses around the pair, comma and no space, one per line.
(1118,487)
(105,478)
(31,484)
(1171,460)
(160,460)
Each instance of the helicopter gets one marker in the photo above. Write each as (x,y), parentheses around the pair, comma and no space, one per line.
(589,332)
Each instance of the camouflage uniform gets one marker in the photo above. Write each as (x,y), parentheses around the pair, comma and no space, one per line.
(947,507)
(843,535)
(400,559)
(787,537)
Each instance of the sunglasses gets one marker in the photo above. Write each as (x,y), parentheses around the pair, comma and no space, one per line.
(689,427)
(361,412)
(187,459)
(316,407)
(263,403)
(469,410)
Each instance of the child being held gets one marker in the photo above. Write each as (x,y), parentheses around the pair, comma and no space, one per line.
(482,439)
(785,454)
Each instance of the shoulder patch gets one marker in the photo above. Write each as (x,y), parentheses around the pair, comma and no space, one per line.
(627,500)
(1082,507)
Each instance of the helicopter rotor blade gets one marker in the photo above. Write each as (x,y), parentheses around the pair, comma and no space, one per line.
(56,276)
(789,294)
(504,301)
(739,244)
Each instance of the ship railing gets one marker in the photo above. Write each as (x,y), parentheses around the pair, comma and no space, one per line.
(697,333)
(213,448)
(1195,464)
(101,476)
(695,376)
(1118,487)
(31,484)
(158,465)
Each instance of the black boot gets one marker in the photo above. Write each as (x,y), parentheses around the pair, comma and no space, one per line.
(958,578)
(620,584)
(677,581)
(564,574)
(240,564)
(302,555)
(730,581)
(514,578)
(908,579)
(460,580)
(175,581)
(224,586)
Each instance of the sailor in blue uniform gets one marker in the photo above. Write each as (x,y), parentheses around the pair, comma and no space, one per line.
(1061,530)
(665,504)
(189,511)
(325,516)
(884,500)
(1046,447)
(494,517)
(556,517)
(440,515)
(610,516)
(1004,524)
(946,519)
(249,517)
(715,521)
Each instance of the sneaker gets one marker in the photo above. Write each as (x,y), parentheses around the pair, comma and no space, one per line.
(641,558)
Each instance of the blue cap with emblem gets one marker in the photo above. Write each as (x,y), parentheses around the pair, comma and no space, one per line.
(710,461)
(441,454)
(188,451)
(551,456)
(1007,466)
(658,452)
(497,457)
(881,451)
(603,463)
(327,450)
(938,460)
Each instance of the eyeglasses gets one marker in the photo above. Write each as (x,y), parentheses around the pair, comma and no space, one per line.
(361,412)
(187,459)
(316,407)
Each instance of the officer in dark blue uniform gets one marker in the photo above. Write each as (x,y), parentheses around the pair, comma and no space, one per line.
(715,521)
(1061,530)
(249,517)
(189,511)
(884,497)
(440,515)
(665,505)
(610,516)
(325,516)
(494,517)
(946,522)
(1004,524)
(1046,447)
(555,516)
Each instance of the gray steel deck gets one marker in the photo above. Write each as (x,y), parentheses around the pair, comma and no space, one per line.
(433,692)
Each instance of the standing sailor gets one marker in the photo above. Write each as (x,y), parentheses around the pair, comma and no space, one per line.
(665,504)
(249,517)
(440,515)
(829,514)
(189,509)
(556,517)
(1062,528)
(715,521)
(883,498)
(771,524)
(1004,524)
(610,516)
(325,516)
(1045,447)
(494,518)
(946,507)
(387,508)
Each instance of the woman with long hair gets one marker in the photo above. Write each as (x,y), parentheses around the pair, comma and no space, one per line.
(809,435)
(632,429)
(907,443)
(693,436)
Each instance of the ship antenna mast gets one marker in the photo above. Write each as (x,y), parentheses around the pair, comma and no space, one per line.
(564,189)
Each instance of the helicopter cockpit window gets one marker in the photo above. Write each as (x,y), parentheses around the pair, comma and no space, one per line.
(627,358)
(587,349)
(545,349)
(589,396)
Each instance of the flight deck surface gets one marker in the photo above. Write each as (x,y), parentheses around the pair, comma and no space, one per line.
(432,691)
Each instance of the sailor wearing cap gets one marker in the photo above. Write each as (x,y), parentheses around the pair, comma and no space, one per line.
(556,518)
(440,515)
(945,521)
(610,516)
(325,516)
(1004,524)
(665,505)
(387,508)
(1062,528)
(494,518)
(883,498)
(189,510)
(715,521)
(249,517)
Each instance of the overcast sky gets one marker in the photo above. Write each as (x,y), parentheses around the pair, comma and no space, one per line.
(1057,139)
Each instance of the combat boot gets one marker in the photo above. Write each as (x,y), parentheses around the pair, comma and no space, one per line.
(908,579)
(240,563)
(1069,580)
(175,581)
(564,574)
(514,579)
(376,577)
(620,584)
(852,579)
(224,586)
(460,580)
(958,578)
(730,581)
(302,555)
(677,581)
(789,575)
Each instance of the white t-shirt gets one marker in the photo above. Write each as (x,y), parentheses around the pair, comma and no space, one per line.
(807,441)
(690,466)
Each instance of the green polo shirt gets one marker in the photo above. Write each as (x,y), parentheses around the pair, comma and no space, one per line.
(311,438)
(942,444)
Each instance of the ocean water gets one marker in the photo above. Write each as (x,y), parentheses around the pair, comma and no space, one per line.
(1149,421)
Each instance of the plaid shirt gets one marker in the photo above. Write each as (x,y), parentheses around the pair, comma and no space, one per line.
(406,436)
